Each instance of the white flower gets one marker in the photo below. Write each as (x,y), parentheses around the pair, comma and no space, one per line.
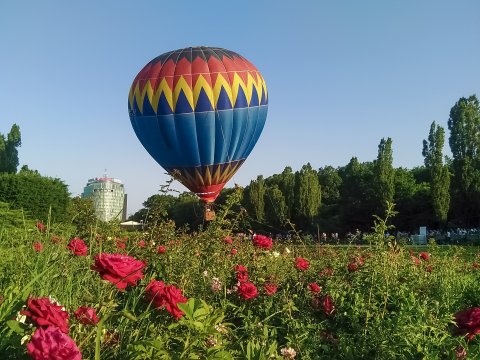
(205,273)
(275,254)
(25,339)
(21,318)
(216,284)
(288,353)
(287,251)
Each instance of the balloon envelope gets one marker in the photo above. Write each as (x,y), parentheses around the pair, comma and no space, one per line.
(199,112)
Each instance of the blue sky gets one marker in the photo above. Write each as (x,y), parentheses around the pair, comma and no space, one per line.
(341,75)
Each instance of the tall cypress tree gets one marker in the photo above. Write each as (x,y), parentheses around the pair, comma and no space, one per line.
(384,174)
(8,150)
(255,198)
(464,126)
(308,195)
(439,173)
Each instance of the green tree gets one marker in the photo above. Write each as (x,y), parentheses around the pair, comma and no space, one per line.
(275,206)
(287,186)
(308,194)
(439,173)
(464,140)
(255,198)
(330,182)
(384,175)
(81,213)
(8,150)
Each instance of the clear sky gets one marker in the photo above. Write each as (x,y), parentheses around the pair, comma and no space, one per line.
(340,74)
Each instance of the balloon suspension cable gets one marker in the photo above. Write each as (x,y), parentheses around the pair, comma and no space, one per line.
(209,212)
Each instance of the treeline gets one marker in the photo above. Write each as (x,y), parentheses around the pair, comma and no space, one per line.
(443,192)
(42,197)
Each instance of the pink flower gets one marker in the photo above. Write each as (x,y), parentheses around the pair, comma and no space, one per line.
(141,243)
(262,241)
(314,288)
(44,313)
(86,315)
(301,264)
(416,260)
(52,344)
(120,244)
(328,306)
(424,256)
(468,322)
(40,227)
(233,251)
(247,290)
(78,247)
(161,249)
(227,240)
(165,296)
(37,246)
(270,288)
(120,270)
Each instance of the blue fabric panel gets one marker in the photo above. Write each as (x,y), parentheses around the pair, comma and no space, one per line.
(146,129)
(223,135)
(163,106)
(205,128)
(186,131)
(260,123)
(240,118)
(247,133)
(254,98)
(223,102)
(241,101)
(166,134)
(147,107)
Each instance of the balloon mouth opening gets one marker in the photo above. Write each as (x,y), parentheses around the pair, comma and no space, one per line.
(208,193)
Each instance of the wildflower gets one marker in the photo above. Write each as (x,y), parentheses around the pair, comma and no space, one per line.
(328,306)
(247,290)
(424,256)
(205,273)
(52,344)
(314,288)
(270,288)
(44,312)
(262,241)
(288,353)
(40,226)
(468,322)
(216,284)
(86,315)
(165,296)
(120,270)
(37,246)
(78,247)
(301,264)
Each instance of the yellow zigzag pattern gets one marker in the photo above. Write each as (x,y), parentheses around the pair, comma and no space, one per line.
(138,95)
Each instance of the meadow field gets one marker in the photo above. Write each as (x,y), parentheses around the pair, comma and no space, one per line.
(169,294)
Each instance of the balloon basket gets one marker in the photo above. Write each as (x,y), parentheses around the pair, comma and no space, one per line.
(209,212)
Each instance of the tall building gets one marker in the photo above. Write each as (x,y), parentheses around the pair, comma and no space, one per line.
(109,198)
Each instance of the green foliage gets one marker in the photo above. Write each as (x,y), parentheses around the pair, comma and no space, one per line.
(81,212)
(43,197)
(254,199)
(307,193)
(384,175)
(8,150)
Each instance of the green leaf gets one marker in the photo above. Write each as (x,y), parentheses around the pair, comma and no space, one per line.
(16,327)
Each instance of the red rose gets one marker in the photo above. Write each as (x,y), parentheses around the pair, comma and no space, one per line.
(240,268)
(429,268)
(37,246)
(270,288)
(167,296)
(120,244)
(227,240)
(326,272)
(233,251)
(141,243)
(44,313)
(52,344)
(242,273)
(416,260)
(352,267)
(120,270)
(247,290)
(86,315)
(314,288)
(328,307)
(161,249)
(262,241)
(301,264)
(40,227)
(468,322)
(424,255)
(77,247)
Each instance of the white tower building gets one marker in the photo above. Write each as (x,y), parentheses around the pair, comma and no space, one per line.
(108,196)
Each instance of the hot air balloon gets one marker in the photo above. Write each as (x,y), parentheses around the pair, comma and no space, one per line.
(199,112)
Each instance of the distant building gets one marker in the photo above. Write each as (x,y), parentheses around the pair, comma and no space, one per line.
(109,198)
